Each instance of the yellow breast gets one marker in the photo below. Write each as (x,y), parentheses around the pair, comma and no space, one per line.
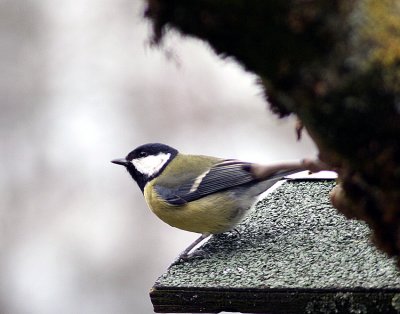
(202,216)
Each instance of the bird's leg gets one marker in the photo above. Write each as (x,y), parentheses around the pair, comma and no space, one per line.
(185,254)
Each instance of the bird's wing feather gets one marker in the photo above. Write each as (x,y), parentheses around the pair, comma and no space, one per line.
(223,175)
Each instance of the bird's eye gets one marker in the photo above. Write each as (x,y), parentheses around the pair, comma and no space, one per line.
(143,154)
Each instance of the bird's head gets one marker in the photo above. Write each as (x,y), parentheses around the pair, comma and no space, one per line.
(147,161)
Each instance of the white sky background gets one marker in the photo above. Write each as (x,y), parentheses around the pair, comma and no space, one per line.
(80,86)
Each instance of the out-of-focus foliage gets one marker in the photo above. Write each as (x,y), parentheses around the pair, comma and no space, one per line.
(382,28)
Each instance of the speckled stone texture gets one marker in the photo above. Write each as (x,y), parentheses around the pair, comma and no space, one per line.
(295,253)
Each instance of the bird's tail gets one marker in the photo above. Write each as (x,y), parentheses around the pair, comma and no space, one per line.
(267,183)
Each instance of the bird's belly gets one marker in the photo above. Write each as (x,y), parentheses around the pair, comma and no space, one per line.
(200,216)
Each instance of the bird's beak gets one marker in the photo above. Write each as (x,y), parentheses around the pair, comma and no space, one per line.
(120,161)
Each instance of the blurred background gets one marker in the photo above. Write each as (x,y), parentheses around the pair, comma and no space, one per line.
(80,85)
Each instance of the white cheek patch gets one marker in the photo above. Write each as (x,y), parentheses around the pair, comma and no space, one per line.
(151,165)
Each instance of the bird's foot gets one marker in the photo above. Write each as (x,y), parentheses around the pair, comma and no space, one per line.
(185,257)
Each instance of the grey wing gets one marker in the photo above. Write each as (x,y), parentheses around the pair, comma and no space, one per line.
(222,176)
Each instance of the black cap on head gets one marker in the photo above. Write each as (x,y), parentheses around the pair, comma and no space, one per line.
(151,149)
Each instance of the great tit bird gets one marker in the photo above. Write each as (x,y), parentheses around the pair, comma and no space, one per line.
(202,194)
